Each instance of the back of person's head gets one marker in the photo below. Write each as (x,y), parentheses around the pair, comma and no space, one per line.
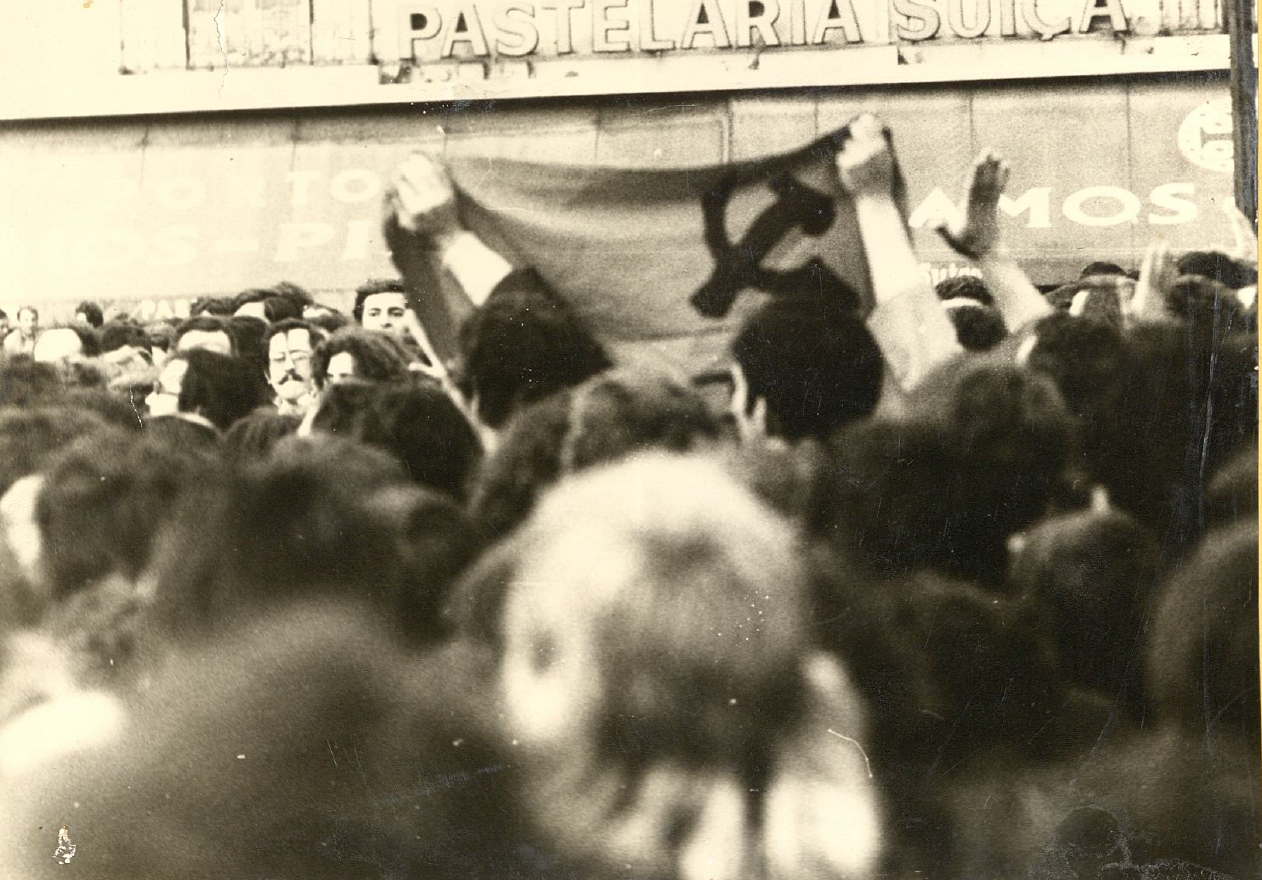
(1101,267)
(421,426)
(31,436)
(1201,654)
(1208,306)
(964,287)
(1081,356)
(376,356)
(205,323)
(294,292)
(816,365)
(315,519)
(326,319)
(91,313)
(1096,298)
(115,409)
(218,387)
(252,437)
(1095,572)
(612,415)
(101,505)
(676,620)
(25,382)
(981,454)
(1179,406)
(160,335)
(1232,494)
(1219,267)
(340,407)
(978,327)
(120,333)
(523,344)
(215,306)
(950,669)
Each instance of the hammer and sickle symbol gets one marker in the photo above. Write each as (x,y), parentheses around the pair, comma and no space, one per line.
(738,265)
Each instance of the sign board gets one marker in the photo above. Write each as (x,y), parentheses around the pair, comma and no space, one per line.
(161,211)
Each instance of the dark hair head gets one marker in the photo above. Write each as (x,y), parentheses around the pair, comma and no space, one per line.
(320,518)
(949,668)
(30,437)
(1176,408)
(294,292)
(1201,658)
(205,323)
(220,388)
(92,312)
(281,308)
(1095,573)
(212,306)
(23,309)
(252,437)
(416,422)
(522,345)
(1233,491)
(372,287)
(119,333)
(160,335)
(613,415)
(1102,268)
(981,454)
(1097,298)
(1211,307)
(964,287)
(282,327)
(815,365)
(329,321)
(379,357)
(1218,267)
(253,295)
(25,382)
(101,505)
(977,327)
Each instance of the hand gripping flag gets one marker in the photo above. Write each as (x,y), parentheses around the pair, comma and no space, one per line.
(666,263)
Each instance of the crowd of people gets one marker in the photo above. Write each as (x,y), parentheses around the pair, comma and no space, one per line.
(965,586)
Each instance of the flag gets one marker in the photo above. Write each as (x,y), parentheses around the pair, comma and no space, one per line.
(665,264)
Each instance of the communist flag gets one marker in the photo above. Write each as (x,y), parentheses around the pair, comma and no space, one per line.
(666,263)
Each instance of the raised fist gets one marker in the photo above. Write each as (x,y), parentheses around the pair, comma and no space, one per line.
(423,199)
(866,159)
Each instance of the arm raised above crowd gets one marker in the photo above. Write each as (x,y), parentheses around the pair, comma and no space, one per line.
(979,239)
(422,224)
(425,204)
(911,327)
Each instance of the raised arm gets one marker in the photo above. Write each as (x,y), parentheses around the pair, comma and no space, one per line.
(424,231)
(908,321)
(980,239)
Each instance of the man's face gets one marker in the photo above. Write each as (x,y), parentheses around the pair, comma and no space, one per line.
(217,341)
(341,368)
(82,320)
(289,364)
(385,312)
(164,400)
(27,322)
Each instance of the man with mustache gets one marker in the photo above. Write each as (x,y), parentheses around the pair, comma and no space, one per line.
(290,344)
